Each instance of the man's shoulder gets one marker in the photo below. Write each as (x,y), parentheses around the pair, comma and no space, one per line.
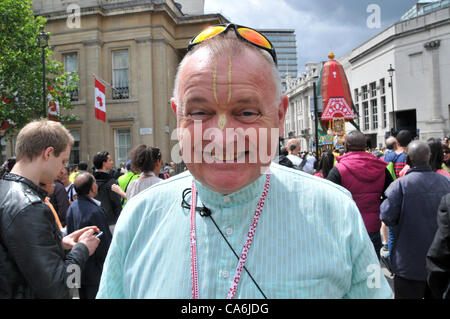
(298,181)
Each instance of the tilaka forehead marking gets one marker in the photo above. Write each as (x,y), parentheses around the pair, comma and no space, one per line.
(222,119)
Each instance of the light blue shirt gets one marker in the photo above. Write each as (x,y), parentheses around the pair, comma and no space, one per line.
(310,242)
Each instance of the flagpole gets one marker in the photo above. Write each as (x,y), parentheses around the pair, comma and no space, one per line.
(101,80)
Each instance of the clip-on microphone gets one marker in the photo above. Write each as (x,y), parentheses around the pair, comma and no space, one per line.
(205,212)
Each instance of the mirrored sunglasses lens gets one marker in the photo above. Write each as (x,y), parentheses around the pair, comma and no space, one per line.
(254,37)
(208,33)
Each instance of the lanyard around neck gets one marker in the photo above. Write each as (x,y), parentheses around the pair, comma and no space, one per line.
(245,248)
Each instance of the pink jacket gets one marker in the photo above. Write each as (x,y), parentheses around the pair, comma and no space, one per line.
(363,174)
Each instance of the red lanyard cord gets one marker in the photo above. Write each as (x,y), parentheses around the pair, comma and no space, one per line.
(245,250)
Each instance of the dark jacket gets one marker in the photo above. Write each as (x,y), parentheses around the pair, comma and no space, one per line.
(438,257)
(111,202)
(82,213)
(364,175)
(60,201)
(33,263)
(412,203)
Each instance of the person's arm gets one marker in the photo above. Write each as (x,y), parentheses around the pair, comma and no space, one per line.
(391,207)
(115,200)
(438,256)
(116,189)
(387,182)
(334,176)
(35,244)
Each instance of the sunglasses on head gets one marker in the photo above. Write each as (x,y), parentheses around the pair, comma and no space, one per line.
(244,33)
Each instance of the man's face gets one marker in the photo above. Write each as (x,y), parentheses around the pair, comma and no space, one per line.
(54,165)
(108,165)
(94,188)
(225,93)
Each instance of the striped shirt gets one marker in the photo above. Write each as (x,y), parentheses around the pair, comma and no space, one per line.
(310,242)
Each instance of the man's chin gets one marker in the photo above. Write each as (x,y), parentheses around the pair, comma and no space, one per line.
(225,178)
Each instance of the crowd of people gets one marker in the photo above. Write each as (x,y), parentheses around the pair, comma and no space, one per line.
(79,200)
(225,228)
(401,217)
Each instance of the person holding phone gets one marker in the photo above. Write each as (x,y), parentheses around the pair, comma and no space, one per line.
(86,210)
(35,259)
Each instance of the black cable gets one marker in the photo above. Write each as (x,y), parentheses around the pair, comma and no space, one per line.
(206,212)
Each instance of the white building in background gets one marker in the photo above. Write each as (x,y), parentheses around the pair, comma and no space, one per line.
(298,122)
(418,49)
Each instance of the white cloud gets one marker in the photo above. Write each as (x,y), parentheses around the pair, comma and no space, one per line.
(317,31)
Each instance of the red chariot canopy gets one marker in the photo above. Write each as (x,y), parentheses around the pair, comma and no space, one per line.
(336,96)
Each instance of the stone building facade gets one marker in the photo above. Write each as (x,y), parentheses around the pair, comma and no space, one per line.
(133,47)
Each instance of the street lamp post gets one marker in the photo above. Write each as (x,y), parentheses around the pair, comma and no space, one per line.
(43,43)
(316,120)
(391,84)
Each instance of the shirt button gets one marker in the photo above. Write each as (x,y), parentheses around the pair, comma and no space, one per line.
(229,231)
(225,274)
(226,199)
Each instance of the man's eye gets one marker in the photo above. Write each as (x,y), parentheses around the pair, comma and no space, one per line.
(198,115)
(248,116)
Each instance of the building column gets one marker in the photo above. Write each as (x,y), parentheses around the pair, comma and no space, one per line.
(144,71)
(94,139)
(436,122)
(161,97)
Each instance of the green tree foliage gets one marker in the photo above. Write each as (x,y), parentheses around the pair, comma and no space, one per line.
(21,68)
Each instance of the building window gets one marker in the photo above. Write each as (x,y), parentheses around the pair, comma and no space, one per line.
(71,66)
(120,88)
(383,106)
(356,95)
(382,87)
(75,151)
(373,89)
(357,118)
(373,103)
(365,93)
(366,115)
(122,144)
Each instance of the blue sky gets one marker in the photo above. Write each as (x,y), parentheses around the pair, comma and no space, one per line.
(320,25)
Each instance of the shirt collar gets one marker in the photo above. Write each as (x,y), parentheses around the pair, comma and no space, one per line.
(242,196)
(17,178)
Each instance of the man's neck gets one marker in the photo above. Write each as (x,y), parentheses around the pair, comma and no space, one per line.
(28,170)
(103,170)
(400,150)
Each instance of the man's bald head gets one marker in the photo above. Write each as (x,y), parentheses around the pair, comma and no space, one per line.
(418,153)
(83,183)
(391,143)
(355,141)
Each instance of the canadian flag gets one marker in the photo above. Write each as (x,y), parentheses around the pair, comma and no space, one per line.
(100,101)
(53,106)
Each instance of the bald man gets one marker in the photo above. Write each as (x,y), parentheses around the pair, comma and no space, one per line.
(298,236)
(411,206)
(86,210)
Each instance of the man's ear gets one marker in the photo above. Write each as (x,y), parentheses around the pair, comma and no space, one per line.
(173,105)
(282,109)
(47,152)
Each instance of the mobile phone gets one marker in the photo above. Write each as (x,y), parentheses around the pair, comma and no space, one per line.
(99,234)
